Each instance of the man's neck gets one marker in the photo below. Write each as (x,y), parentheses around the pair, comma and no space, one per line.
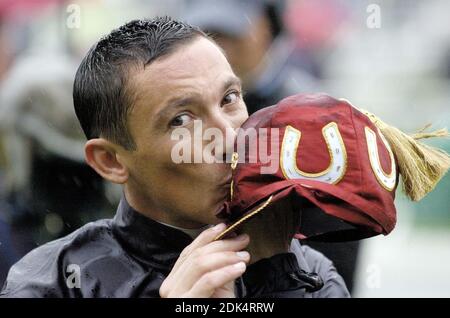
(147,208)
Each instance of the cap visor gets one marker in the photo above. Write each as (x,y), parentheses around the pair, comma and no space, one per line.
(245,218)
(352,209)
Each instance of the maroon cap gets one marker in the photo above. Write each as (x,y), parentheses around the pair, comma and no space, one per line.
(330,156)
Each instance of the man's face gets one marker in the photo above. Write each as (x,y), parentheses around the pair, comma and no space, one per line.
(195,82)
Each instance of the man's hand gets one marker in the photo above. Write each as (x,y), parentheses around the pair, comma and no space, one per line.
(207,268)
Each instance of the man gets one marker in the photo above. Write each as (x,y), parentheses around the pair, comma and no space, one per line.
(133,88)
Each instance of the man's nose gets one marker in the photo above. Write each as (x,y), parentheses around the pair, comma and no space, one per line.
(229,133)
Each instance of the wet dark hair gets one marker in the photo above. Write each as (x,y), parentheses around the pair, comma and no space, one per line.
(101,94)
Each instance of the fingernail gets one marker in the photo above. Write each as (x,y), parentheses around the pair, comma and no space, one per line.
(242,237)
(243,254)
(239,266)
(219,227)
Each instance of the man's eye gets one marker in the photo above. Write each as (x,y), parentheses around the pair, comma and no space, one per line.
(180,120)
(230,98)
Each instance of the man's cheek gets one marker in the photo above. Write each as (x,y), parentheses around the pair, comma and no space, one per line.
(241,117)
(185,146)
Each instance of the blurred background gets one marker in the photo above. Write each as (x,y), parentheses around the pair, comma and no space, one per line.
(391,57)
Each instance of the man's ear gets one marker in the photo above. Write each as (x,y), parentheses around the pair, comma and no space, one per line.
(102,156)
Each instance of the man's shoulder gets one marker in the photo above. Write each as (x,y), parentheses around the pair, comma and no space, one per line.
(75,244)
(46,267)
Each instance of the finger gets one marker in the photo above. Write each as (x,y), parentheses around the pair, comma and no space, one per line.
(211,262)
(215,261)
(227,291)
(178,273)
(235,244)
(211,281)
(195,268)
(207,236)
(204,238)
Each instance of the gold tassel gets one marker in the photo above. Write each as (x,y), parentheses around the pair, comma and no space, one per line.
(420,166)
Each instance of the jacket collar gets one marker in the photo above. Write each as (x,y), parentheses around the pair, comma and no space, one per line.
(148,241)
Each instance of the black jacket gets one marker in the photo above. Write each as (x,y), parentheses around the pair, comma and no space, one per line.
(130,256)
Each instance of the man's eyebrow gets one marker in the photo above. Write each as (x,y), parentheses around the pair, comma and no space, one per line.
(174,103)
(232,81)
(181,101)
